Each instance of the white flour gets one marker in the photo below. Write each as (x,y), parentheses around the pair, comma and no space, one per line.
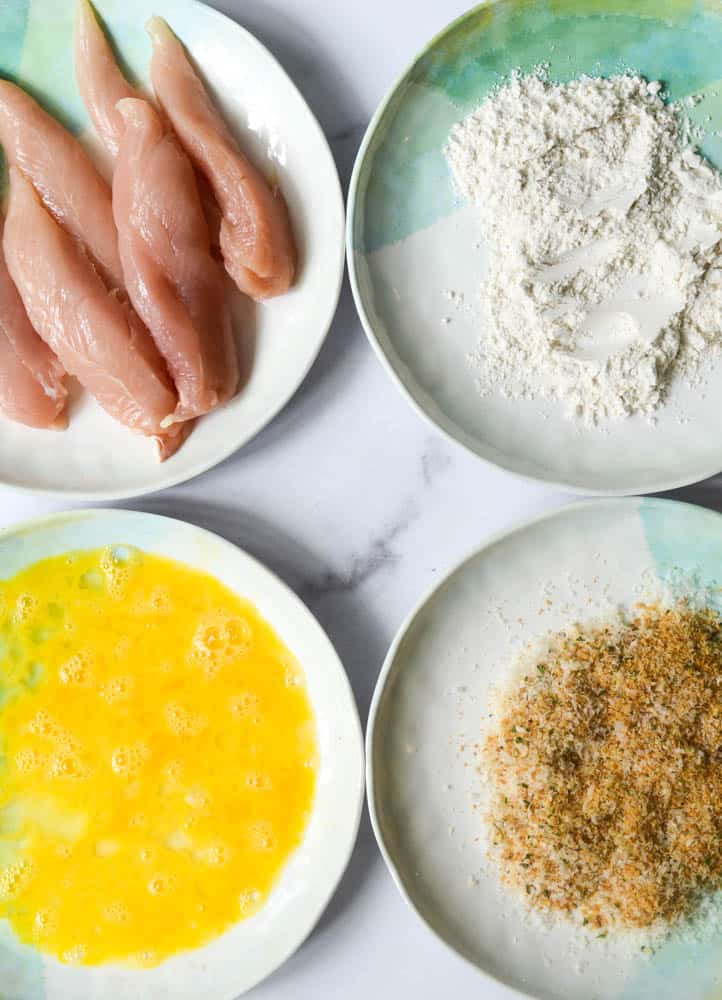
(602,224)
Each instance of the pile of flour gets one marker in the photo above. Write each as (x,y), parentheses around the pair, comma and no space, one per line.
(604,231)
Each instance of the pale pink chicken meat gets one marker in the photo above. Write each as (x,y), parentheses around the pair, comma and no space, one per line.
(63,175)
(32,390)
(255,234)
(175,285)
(100,80)
(94,334)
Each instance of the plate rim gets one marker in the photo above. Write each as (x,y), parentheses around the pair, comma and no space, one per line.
(352,209)
(334,285)
(354,733)
(629,503)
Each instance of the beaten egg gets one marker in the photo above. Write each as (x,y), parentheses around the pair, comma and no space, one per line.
(158,760)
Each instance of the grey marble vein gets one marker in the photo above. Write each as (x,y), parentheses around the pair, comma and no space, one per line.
(380,555)
(435,459)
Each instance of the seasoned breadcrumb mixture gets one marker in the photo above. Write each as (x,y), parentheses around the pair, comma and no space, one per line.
(605,771)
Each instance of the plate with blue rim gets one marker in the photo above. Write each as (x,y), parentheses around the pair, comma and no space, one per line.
(577,564)
(411,239)
(95,458)
(238,959)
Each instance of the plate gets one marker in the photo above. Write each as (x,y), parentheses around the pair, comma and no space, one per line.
(96,458)
(252,949)
(409,240)
(428,704)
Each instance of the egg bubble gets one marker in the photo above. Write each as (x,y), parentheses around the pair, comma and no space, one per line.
(244,703)
(174,770)
(117,689)
(262,836)
(66,741)
(160,601)
(116,564)
(183,722)
(161,885)
(44,923)
(67,765)
(197,798)
(77,671)
(259,782)
(144,959)
(293,676)
(249,900)
(25,607)
(116,580)
(27,760)
(14,876)
(116,912)
(179,841)
(220,639)
(146,854)
(127,761)
(215,855)
(74,955)
(238,635)
(42,724)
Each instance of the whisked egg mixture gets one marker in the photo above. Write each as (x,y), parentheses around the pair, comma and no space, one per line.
(158,761)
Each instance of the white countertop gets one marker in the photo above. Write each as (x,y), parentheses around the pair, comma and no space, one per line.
(353,500)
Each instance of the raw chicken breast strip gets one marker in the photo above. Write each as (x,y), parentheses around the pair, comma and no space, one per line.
(255,232)
(63,175)
(32,391)
(95,335)
(173,282)
(100,81)
(102,84)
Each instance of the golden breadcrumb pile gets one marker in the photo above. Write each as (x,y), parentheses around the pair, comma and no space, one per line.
(606,771)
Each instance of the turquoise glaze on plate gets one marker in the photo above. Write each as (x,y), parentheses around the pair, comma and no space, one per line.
(12,33)
(686,544)
(678,43)
(410,238)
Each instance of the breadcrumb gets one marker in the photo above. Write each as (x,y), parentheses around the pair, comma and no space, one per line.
(606,771)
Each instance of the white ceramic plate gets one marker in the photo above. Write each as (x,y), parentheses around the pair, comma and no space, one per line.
(429,702)
(410,240)
(95,458)
(250,951)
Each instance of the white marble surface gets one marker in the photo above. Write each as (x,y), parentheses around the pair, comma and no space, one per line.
(353,500)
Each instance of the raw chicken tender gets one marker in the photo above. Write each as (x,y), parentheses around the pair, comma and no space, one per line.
(255,231)
(100,80)
(32,390)
(95,335)
(173,282)
(63,175)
